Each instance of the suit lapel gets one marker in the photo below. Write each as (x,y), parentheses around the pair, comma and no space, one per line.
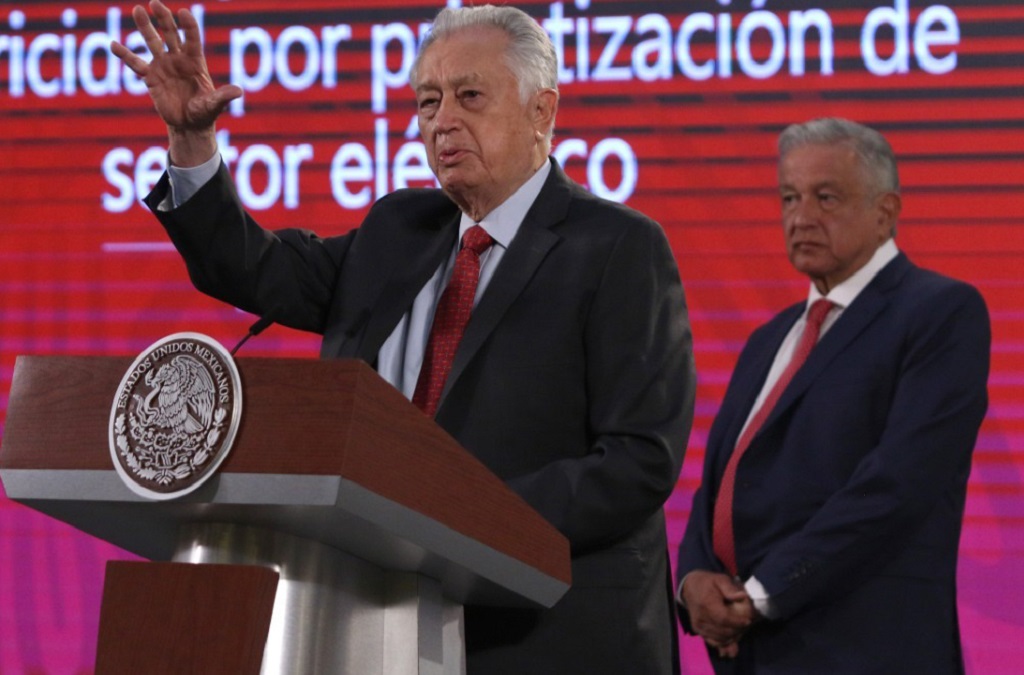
(871,302)
(755,373)
(418,254)
(525,254)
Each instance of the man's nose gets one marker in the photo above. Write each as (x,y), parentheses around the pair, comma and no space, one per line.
(448,117)
(804,212)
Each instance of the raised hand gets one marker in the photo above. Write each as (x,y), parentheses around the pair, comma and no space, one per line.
(179,82)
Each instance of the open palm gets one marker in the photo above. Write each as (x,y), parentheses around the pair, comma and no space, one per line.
(178,79)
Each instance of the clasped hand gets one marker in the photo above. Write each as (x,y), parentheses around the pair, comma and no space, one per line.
(720,609)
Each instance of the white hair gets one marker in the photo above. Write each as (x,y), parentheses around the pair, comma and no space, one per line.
(530,54)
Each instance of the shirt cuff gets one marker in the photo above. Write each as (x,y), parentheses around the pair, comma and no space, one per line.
(759,596)
(679,590)
(186,181)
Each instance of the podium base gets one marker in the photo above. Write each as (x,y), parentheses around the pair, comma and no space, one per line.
(334,612)
(148,623)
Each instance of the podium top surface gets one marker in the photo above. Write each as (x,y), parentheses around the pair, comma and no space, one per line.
(326,450)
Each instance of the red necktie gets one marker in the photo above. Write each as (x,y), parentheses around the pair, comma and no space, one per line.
(722,534)
(450,320)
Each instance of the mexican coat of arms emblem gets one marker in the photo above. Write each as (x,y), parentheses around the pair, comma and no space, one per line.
(175,416)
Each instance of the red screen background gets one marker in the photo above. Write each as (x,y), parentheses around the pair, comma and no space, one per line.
(663,105)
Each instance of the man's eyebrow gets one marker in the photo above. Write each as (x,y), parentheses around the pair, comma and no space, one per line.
(830,184)
(456,82)
(468,78)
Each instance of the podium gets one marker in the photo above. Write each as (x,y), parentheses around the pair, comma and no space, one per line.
(343,533)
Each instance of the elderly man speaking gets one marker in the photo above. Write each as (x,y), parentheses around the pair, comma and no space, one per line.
(552,342)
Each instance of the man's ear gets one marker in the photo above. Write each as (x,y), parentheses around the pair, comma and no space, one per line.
(544,109)
(889,207)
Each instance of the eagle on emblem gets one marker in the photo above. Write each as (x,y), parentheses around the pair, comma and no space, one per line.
(184,394)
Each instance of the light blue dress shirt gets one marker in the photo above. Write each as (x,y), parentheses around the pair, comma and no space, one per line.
(401,356)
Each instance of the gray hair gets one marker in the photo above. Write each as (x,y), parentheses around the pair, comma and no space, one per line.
(530,55)
(875,153)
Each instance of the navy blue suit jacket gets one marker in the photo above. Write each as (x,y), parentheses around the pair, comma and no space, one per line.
(574,383)
(849,500)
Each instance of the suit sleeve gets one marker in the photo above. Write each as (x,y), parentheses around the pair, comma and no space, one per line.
(907,491)
(696,551)
(640,392)
(288,275)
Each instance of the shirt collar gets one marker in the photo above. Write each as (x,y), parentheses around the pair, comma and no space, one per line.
(503,222)
(846,292)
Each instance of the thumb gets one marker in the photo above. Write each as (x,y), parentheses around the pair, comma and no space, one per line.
(733,591)
(205,109)
(222,96)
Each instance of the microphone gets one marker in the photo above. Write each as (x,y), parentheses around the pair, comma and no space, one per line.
(261,325)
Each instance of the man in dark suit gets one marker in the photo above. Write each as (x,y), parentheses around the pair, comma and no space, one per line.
(824,536)
(574,378)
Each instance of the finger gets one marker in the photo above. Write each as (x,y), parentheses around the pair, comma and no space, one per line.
(147,30)
(719,639)
(130,59)
(729,651)
(189,25)
(727,585)
(723,625)
(743,608)
(734,593)
(719,630)
(168,27)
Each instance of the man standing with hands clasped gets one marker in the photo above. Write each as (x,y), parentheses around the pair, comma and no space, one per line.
(824,536)
(553,343)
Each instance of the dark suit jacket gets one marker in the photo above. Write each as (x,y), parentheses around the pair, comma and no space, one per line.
(849,500)
(574,383)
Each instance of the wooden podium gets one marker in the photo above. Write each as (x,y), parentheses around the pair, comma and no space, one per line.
(342,534)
